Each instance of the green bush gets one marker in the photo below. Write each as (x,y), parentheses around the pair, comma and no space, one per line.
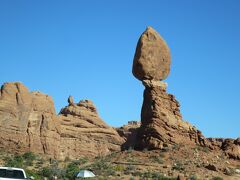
(29,156)
(178,166)
(155,175)
(193,177)
(72,169)
(157,159)
(16,161)
(46,172)
(217,178)
(119,168)
(31,173)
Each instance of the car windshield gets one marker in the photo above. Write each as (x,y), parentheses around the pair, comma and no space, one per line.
(8,173)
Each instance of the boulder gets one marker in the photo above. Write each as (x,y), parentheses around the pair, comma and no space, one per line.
(152,57)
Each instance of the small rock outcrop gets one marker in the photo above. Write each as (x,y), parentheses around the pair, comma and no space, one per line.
(161,120)
(84,133)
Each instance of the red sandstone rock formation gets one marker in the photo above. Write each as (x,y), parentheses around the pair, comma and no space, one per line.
(28,122)
(84,133)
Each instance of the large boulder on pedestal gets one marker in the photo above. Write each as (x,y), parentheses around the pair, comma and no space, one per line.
(152,57)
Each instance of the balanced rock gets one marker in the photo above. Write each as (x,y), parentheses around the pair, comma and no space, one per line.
(161,120)
(70,100)
(152,57)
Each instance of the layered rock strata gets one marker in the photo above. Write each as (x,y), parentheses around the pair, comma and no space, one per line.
(28,122)
(161,121)
(84,133)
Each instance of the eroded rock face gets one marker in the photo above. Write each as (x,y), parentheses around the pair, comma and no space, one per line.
(161,121)
(232,148)
(152,57)
(27,121)
(129,133)
(84,133)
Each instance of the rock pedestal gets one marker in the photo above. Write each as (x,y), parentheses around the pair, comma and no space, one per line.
(161,120)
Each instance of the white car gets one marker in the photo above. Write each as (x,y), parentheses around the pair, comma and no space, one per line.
(12,173)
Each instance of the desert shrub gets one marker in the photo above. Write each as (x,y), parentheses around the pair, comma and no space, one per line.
(51,171)
(155,175)
(137,173)
(129,169)
(205,149)
(29,156)
(31,173)
(200,148)
(16,161)
(83,160)
(119,168)
(72,169)
(46,172)
(217,178)
(112,155)
(157,159)
(178,166)
(39,163)
(193,177)
(102,167)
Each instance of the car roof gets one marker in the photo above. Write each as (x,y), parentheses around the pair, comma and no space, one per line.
(11,168)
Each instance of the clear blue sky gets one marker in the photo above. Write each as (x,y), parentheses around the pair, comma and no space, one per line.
(85,48)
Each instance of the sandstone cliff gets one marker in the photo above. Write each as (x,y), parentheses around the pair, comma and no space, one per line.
(28,122)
